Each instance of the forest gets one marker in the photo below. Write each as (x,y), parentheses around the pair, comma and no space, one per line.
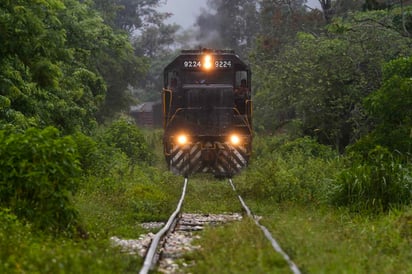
(332,91)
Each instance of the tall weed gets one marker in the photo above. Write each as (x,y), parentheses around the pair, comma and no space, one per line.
(374,184)
(298,170)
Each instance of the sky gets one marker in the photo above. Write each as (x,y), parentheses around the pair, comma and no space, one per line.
(185,12)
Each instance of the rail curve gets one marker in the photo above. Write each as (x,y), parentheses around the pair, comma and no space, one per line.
(152,254)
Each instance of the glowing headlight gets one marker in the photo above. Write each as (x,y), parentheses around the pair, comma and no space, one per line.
(207,64)
(182,139)
(234,139)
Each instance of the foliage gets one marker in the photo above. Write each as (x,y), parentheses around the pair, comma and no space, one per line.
(157,43)
(280,21)
(324,239)
(112,150)
(241,241)
(127,137)
(390,107)
(116,195)
(233,24)
(374,184)
(117,205)
(128,15)
(149,202)
(58,62)
(23,250)
(305,84)
(39,172)
(152,40)
(298,171)
(332,9)
(379,176)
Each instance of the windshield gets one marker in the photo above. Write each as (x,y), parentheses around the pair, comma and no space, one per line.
(201,77)
(209,97)
(209,106)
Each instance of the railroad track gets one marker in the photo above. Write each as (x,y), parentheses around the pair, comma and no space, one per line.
(162,253)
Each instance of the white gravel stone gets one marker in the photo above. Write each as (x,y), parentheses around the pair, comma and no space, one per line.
(178,243)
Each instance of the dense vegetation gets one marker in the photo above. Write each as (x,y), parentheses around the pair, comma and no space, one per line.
(333,120)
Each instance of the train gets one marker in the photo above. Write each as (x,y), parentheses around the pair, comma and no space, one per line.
(207,113)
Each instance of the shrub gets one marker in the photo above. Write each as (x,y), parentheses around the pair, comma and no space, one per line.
(307,147)
(39,171)
(87,149)
(99,159)
(128,138)
(374,184)
(298,171)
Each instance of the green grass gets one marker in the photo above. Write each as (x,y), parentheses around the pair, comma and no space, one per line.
(318,240)
(23,250)
(318,237)
(238,247)
(207,194)
(330,240)
(119,208)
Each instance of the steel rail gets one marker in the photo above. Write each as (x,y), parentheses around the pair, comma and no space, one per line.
(151,253)
(268,235)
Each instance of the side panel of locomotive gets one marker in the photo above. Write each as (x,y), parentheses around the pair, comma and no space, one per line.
(207,112)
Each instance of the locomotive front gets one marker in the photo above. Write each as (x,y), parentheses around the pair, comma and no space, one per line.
(207,111)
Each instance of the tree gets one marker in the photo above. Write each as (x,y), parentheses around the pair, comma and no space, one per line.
(336,8)
(320,81)
(233,25)
(127,15)
(152,40)
(280,21)
(58,61)
(390,107)
(107,51)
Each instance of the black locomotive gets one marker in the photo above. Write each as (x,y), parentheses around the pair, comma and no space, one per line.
(207,112)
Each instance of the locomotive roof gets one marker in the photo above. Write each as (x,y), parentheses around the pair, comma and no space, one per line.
(207,86)
(185,53)
(200,51)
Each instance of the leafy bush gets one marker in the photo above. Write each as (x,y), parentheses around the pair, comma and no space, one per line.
(308,147)
(128,138)
(39,171)
(374,184)
(87,149)
(297,171)
(99,159)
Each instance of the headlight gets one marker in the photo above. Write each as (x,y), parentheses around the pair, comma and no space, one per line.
(234,139)
(182,139)
(207,64)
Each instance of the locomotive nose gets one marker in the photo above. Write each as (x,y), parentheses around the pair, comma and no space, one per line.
(208,157)
(208,154)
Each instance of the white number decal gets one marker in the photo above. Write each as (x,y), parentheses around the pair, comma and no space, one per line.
(198,64)
(192,64)
(223,64)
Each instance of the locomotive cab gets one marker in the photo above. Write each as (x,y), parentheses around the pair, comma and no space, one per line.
(207,113)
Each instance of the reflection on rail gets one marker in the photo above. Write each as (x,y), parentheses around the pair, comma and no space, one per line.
(274,243)
(150,259)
